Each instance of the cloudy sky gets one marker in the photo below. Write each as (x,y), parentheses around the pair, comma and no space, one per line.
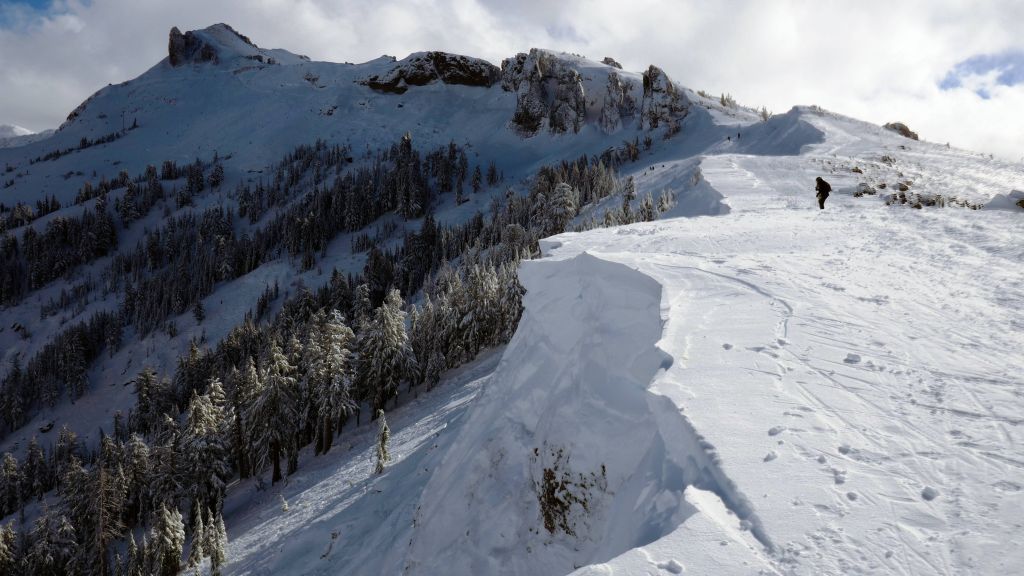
(953,70)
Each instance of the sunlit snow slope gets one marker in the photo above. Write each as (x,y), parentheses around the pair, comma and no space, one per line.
(775,389)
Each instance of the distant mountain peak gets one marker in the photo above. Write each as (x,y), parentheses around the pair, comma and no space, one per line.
(220,43)
(11,131)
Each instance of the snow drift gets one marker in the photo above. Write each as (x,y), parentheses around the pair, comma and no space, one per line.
(568,459)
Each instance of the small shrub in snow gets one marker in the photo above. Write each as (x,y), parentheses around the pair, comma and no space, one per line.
(565,497)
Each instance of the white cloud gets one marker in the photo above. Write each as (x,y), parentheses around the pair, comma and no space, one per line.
(877,60)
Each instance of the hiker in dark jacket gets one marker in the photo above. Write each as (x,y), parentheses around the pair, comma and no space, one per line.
(822,188)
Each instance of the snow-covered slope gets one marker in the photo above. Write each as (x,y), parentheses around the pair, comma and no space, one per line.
(753,386)
(774,389)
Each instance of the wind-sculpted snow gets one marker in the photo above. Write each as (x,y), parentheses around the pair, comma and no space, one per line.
(568,422)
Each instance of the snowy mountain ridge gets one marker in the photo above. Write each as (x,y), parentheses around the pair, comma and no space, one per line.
(747,385)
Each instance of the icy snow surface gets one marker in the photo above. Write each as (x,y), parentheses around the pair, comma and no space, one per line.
(776,389)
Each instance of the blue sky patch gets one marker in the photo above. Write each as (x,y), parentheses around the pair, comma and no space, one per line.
(1008,68)
(20,14)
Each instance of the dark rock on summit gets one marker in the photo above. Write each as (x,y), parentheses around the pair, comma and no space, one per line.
(611,62)
(901,129)
(422,69)
(196,48)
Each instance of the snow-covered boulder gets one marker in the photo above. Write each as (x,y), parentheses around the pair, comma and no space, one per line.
(424,68)
(1011,201)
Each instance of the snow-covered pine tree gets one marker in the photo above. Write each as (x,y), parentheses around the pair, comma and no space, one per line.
(647,212)
(435,367)
(244,390)
(330,376)
(167,540)
(134,563)
(197,551)
(138,473)
(34,473)
(216,544)
(386,356)
(9,557)
(10,485)
(383,437)
(168,474)
(273,416)
(205,452)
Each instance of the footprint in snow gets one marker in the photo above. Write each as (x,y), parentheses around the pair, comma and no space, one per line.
(727,346)
(852,359)
(771,456)
(671,566)
(929,493)
(776,430)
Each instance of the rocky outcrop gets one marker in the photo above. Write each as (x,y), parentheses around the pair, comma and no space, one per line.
(609,61)
(619,103)
(549,93)
(428,67)
(901,129)
(205,45)
(662,103)
(188,47)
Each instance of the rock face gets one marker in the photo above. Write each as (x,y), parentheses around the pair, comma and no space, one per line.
(202,46)
(611,62)
(428,67)
(549,93)
(188,47)
(619,103)
(901,129)
(662,103)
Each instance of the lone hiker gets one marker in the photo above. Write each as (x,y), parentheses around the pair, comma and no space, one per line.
(822,188)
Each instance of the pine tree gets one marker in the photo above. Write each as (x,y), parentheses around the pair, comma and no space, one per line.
(8,549)
(197,551)
(216,544)
(273,415)
(205,451)
(167,540)
(244,390)
(387,357)
(138,472)
(135,564)
(330,376)
(10,484)
(34,473)
(383,437)
(435,367)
